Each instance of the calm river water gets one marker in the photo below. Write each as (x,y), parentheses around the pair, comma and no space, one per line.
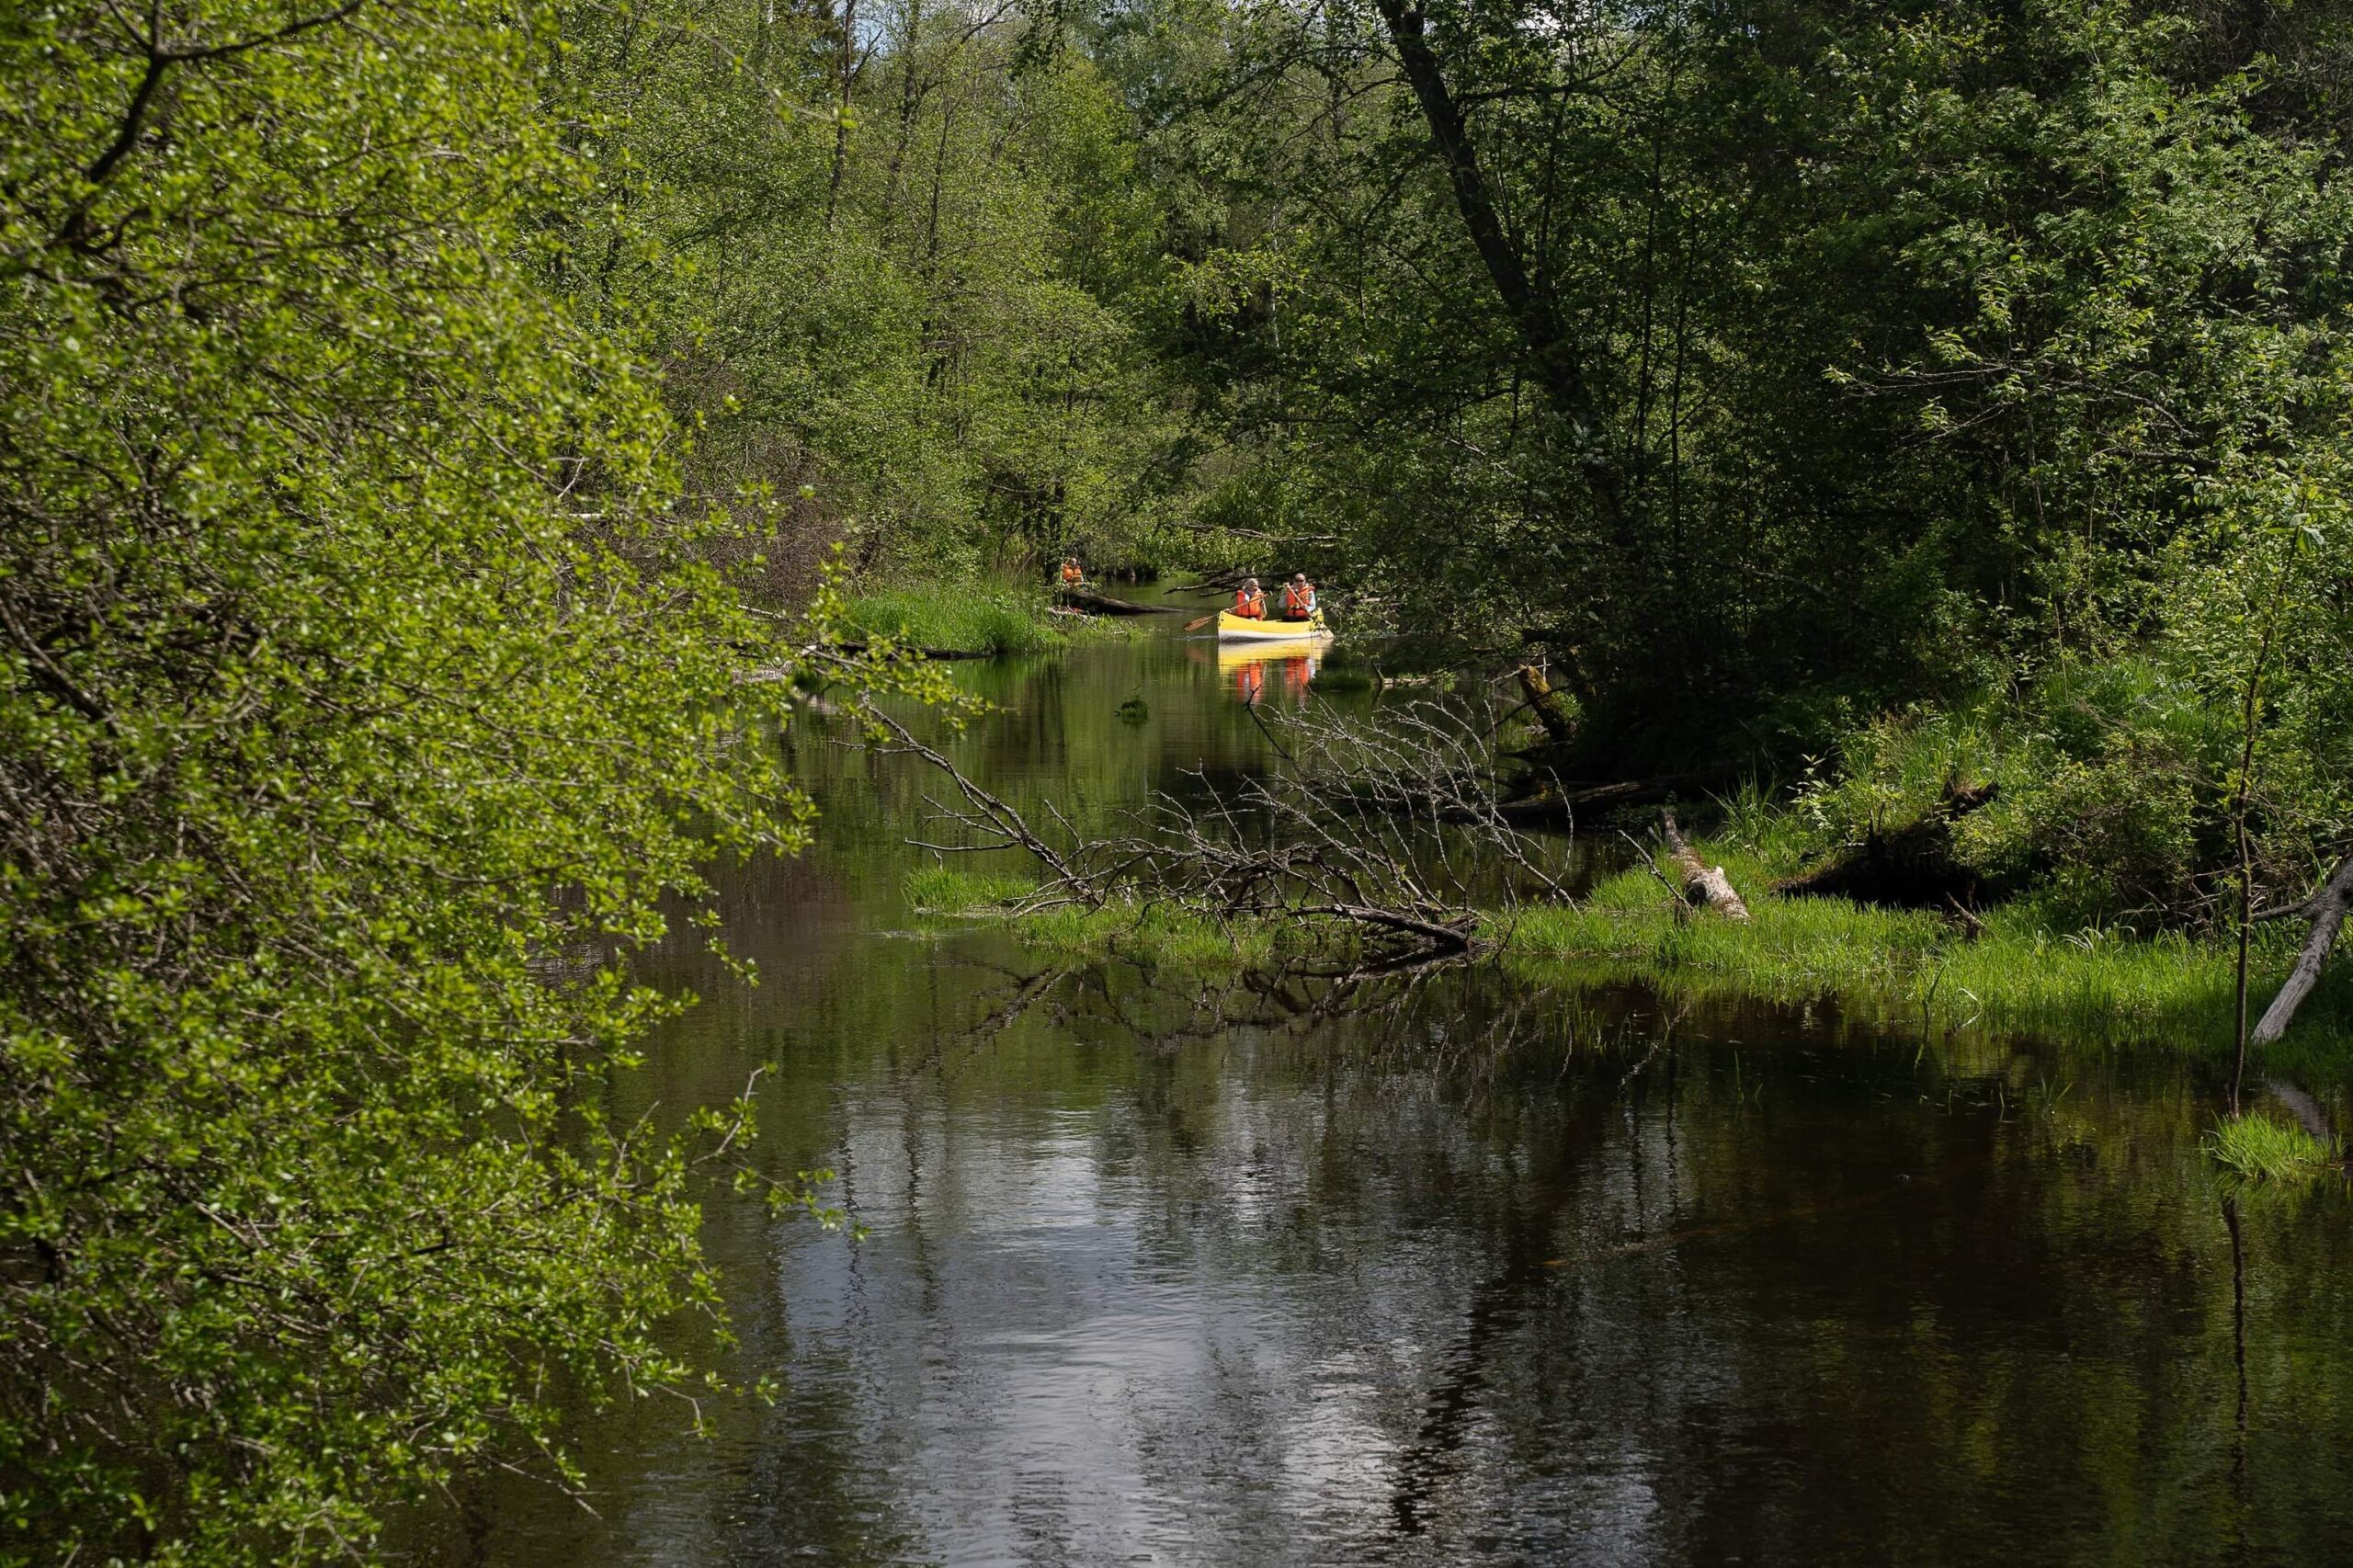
(1476,1269)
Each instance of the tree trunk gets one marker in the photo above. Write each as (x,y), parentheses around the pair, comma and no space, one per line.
(2328,908)
(1702,883)
(1560,808)
(1551,357)
(841,111)
(1547,704)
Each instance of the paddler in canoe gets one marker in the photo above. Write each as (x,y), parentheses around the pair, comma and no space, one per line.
(1072,575)
(1298,616)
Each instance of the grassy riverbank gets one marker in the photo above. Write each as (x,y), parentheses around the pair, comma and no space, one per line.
(995,619)
(2021,972)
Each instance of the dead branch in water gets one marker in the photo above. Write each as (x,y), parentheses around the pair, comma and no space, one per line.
(1381,832)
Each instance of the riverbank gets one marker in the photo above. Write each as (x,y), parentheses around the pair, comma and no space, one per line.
(2016,972)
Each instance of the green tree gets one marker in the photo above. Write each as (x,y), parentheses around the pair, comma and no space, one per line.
(362,696)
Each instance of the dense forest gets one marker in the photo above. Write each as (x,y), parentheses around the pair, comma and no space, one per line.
(421,412)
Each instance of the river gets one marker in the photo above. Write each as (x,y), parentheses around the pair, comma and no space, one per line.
(1467,1268)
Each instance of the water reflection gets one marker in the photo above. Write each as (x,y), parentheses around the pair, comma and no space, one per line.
(1250,666)
(1446,1267)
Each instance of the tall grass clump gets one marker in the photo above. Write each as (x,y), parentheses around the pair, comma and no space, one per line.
(2259,1148)
(1149,933)
(968,618)
(951,889)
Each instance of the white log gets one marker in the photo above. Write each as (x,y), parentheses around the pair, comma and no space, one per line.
(2328,908)
(1702,883)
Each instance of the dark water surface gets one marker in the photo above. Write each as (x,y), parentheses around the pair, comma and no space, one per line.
(1468,1269)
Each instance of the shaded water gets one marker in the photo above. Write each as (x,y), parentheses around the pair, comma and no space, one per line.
(1467,1269)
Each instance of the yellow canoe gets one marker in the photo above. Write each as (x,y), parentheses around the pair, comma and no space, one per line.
(1233,627)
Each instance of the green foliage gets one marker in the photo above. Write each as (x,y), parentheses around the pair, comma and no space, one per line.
(2259,1148)
(884,272)
(1917,354)
(362,701)
(2110,781)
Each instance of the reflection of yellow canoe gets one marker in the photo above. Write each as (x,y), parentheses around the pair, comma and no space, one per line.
(1307,651)
(1233,627)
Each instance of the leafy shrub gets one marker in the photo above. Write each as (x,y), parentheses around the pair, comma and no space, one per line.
(2113,781)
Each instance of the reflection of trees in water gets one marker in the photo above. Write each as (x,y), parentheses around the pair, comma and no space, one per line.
(1690,1276)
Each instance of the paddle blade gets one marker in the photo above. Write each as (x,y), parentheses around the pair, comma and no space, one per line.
(1204,620)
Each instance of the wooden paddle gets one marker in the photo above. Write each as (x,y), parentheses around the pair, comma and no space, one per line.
(1196,625)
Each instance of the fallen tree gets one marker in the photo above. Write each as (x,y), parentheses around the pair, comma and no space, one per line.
(1702,883)
(1559,805)
(2327,908)
(1104,604)
(1402,862)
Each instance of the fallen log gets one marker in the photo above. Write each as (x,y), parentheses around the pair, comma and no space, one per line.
(1702,883)
(1104,604)
(1561,806)
(2328,908)
(927,652)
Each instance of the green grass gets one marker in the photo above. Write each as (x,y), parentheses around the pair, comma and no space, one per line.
(2261,1149)
(1151,933)
(972,617)
(2021,973)
(951,889)
(2090,987)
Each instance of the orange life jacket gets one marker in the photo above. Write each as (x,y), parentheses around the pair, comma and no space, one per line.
(1299,600)
(1249,605)
(1071,574)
